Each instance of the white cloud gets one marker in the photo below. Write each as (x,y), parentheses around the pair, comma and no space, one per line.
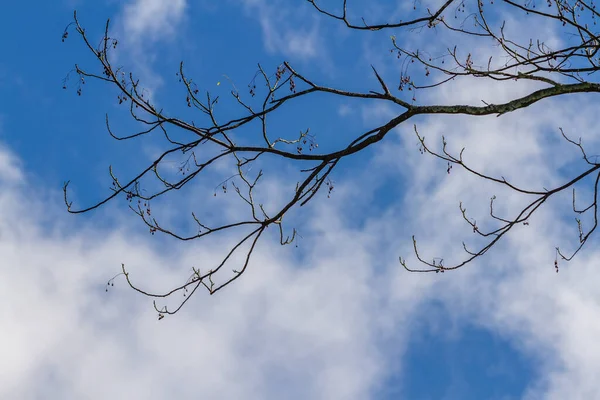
(152,20)
(285,330)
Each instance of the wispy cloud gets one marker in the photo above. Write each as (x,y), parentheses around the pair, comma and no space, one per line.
(282,36)
(148,21)
(142,27)
(10,168)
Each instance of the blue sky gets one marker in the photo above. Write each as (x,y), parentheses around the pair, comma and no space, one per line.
(335,318)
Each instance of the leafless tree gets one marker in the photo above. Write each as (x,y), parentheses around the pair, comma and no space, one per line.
(558,71)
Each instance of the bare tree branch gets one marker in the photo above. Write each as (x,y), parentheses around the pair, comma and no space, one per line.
(567,69)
